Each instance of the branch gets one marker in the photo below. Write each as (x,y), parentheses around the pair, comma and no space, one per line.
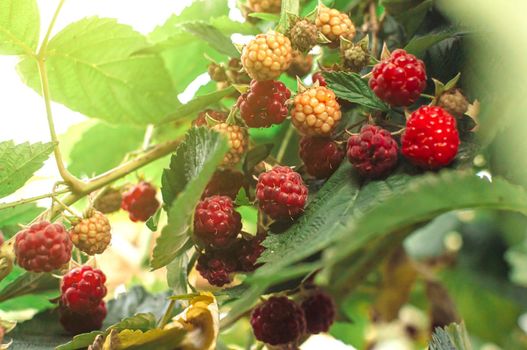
(29,200)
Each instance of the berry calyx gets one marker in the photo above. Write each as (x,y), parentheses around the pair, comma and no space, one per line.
(78,323)
(216,223)
(238,142)
(140,201)
(316,111)
(278,321)
(319,309)
(224,182)
(266,6)
(216,267)
(374,152)
(304,35)
(92,234)
(334,24)
(454,102)
(399,79)
(321,156)
(43,247)
(281,193)
(264,104)
(249,251)
(431,139)
(301,65)
(267,56)
(236,73)
(218,116)
(82,289)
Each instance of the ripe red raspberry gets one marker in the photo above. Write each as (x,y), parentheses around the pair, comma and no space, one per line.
(43,247)
(218,116)
(77,323)
(321,156)
(216,223)
(400,79)
(224,182)
(140,201)
(319,309)
(281,193)
(92,234)
(82,289)
(248,253)
(430,140)
(373,152)
(267,56)
(318,77)
(278,321)
(316,111)
(216,267)
(264,103)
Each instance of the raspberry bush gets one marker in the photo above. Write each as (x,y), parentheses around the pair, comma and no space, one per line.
(348,173)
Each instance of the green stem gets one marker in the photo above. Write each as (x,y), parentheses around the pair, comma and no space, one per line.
(167,315)
(44,45)
(285,143)
(29,200)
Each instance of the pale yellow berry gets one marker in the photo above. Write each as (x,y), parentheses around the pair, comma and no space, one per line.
(267,56)
(238,142)
(92,234)
(316,111)
(334,24)
(267,6)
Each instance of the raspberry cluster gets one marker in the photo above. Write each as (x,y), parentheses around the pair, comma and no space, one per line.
(81,305)
(280,321)
(140,201)
(264,104)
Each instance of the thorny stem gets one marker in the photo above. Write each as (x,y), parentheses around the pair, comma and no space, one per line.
(285,143)
(30,200)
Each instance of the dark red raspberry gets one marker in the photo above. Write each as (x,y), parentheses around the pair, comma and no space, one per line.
(373,152)
(43,247)
(399,79)
(281,193)
(77,323)
(216,223)
(321,156)
(319,309)
(216,267)
(82,289)
(264,104)
(140,201)
(218,116)
(278,321)
(431,139)
(318,77)
(248,253)
(224,182)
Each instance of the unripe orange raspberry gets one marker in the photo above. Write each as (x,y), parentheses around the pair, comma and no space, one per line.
(92,234)
(316,111)
(334,24)
(267,6)
(267,56)
(238,142)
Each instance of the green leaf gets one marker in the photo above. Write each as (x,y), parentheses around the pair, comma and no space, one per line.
(268,17)
(198,104)
(141,321)
(216,39)
(19,27)
(177,274)
(195,160)
(452,337)
(29,283)
(351,87)
(419,44)
(18,163)
(80,341)
(21,214)
(256,155)
(93,70)
(412,19)
(289,8)
(395,7)
(88,157)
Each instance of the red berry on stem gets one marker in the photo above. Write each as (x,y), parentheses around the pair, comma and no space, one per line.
(218,116)
(82,289)
(78,323)
(248,253)
(216,223)
(281,193)
(399,79)
(318,77)
(264,104)
(319,309)
(43,247)
(431,139)
(140,201)
(373,152)
(216,267)
(278,321)
(321,156)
